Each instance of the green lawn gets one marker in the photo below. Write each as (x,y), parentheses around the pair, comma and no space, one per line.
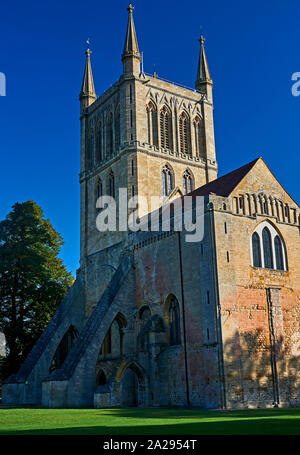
(147,421)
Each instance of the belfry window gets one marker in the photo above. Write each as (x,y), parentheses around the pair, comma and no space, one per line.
(99,143)
(267,248)
(187,182)
(167,184)
(152,124)
(165,128)
(109,135)
(185,134)
(90,149)
(197,133)
(117,129)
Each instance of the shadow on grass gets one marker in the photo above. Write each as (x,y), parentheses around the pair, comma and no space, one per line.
(167,413)
(265,426)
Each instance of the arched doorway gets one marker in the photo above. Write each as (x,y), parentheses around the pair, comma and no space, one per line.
(133,387)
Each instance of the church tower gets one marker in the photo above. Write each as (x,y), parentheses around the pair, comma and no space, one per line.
(145,134)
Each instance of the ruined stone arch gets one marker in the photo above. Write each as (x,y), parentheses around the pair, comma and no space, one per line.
(112,346)
(64,347)
(101,378)
(134,386)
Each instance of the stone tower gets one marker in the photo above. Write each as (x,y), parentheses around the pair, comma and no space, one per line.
(141,132)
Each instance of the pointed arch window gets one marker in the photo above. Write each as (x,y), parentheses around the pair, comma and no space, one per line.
(278,253)
(268,249)
(112,345)
(256,250)
(185,134)
(152,124)
(109,135)
(167,183)
(111,184)
(99,152)
(90,149)
(187,182)
(64,348)
(198,135)
(117,129)
(99,189)
(165,128)
(267,246)
(101,378)
(174,321)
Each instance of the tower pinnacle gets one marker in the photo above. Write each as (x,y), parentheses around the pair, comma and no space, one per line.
(203,75)
(131,56)
(87,94)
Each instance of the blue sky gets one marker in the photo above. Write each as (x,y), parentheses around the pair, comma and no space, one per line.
(252,49)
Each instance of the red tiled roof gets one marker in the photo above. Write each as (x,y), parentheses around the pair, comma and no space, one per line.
(224,185)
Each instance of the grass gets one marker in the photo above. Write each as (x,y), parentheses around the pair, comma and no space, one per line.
(133,421)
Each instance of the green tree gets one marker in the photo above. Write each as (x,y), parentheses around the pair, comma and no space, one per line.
(33,279)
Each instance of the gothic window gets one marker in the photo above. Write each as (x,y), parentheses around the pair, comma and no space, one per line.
(278,253)
(117,129)
(112,343)
(109,135)
(101,378)
(185,133)
(174,321)
(152,124)
(90,149)
(165,128)
(256,250)
(167,184)
(99,189)
(99,152)
(111,184)
(187,182)
(64,348)
(198,135)
(267,246)
(268,249)
(106,345)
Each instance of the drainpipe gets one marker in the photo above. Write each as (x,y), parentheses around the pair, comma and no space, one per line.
(218,308)
(272,348)
(184,327)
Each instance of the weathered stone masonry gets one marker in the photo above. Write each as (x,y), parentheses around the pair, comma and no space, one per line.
(154,320)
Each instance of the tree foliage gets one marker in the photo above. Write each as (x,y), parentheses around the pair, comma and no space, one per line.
(33,279)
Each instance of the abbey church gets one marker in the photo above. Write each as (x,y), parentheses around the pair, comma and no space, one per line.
(153,319)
